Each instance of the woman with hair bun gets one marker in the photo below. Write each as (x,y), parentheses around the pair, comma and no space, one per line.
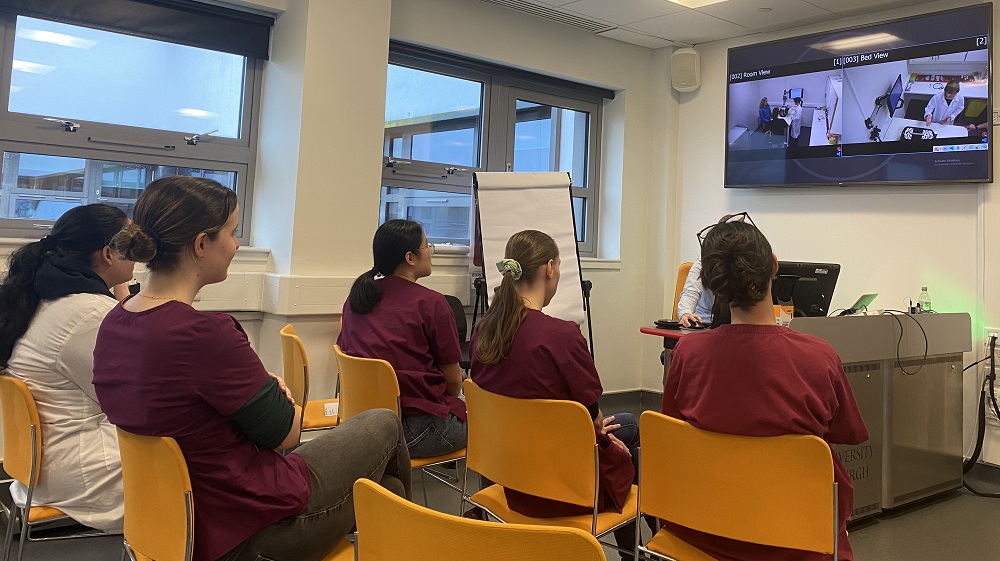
(56,292)
(519,351)
(390,317)
(755,378)
(163,368)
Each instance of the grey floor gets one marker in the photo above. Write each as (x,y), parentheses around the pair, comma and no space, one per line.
(953,526)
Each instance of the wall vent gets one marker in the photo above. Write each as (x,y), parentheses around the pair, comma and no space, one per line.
(554,15)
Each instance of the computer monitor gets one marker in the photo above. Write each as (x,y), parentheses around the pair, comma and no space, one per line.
(894,94)
(794,93)
(813,289)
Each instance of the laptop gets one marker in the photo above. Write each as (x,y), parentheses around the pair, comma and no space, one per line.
(862,304)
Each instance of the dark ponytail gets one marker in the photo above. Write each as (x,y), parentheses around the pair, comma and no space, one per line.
(80,232)
(525,254)
(393,240)
(737,264)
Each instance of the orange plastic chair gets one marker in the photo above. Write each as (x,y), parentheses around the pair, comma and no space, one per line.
(686,473)
(22,436)
(391,528)
(562,469)
(158,488)
(295,371)
(368,383)
(682,274)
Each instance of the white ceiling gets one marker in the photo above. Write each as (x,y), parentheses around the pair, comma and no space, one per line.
(661,23)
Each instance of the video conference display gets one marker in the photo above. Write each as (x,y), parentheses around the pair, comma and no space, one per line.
(904,101)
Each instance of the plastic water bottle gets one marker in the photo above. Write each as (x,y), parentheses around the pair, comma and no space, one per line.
(924,300)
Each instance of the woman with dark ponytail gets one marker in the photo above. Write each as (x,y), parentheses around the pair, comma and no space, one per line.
(519,351)
(52,301)
(755,378)
(390,317)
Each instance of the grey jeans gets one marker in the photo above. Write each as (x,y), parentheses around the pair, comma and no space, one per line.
(368,446)
(428,436)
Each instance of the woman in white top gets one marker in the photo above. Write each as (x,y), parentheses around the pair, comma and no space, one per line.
(52,302)
(945,105)
(795,112)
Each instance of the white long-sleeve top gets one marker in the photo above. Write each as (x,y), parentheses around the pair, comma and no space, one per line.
(939,109)
(81,465)
(695,298)
(795,113)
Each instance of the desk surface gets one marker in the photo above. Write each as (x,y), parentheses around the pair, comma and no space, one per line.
(943,131)
(668,333)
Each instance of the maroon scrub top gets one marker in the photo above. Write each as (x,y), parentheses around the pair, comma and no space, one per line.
(764,380)
(549,359)
(413,329)
(174,371)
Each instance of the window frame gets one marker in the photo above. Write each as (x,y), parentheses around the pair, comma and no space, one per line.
(26,133)
(502,87)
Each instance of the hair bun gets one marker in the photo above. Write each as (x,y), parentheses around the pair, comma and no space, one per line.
(134,244)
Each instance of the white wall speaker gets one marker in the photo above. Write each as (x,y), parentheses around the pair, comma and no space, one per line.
(685,71)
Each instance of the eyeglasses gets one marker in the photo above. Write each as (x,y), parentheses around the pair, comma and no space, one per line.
(430,247)
(738,217)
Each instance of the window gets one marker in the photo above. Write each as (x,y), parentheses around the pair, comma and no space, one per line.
(447,117)
(90,115)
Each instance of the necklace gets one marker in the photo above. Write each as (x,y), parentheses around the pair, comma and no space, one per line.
(157,297)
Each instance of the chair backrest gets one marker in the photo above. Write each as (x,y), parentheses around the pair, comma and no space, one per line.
(159,505)
(365,383)
(22,431)
(461,322)
(295,365)
(682,275)
(392,528)
(776,491)
(562,469)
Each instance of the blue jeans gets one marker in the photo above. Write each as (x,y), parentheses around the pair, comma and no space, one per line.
(628,433)
(428,436)
(368,446)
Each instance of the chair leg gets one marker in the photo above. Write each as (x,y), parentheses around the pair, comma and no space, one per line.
(9,534)
(423,486)
(24,530)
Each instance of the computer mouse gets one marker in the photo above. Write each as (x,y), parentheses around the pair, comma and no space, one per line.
(695,324)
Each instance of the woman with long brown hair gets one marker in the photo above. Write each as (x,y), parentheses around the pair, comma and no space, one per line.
(519,351)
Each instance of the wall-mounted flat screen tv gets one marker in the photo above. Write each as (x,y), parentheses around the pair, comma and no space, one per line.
(899,102)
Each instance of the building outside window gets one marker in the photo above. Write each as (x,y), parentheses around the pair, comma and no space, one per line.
(447,117)
(89,115)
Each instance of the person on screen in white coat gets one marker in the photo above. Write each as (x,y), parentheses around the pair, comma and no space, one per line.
(795,126)
(945,105)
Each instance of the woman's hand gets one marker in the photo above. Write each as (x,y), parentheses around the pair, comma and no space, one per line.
(614,440)
(687,320)
(608,426)
(283,387)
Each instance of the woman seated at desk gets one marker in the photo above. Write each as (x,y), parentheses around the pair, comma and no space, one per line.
(764,114)
(756,378)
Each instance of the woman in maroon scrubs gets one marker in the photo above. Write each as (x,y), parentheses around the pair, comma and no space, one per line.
(412,328)
(519,351)
(755,378)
